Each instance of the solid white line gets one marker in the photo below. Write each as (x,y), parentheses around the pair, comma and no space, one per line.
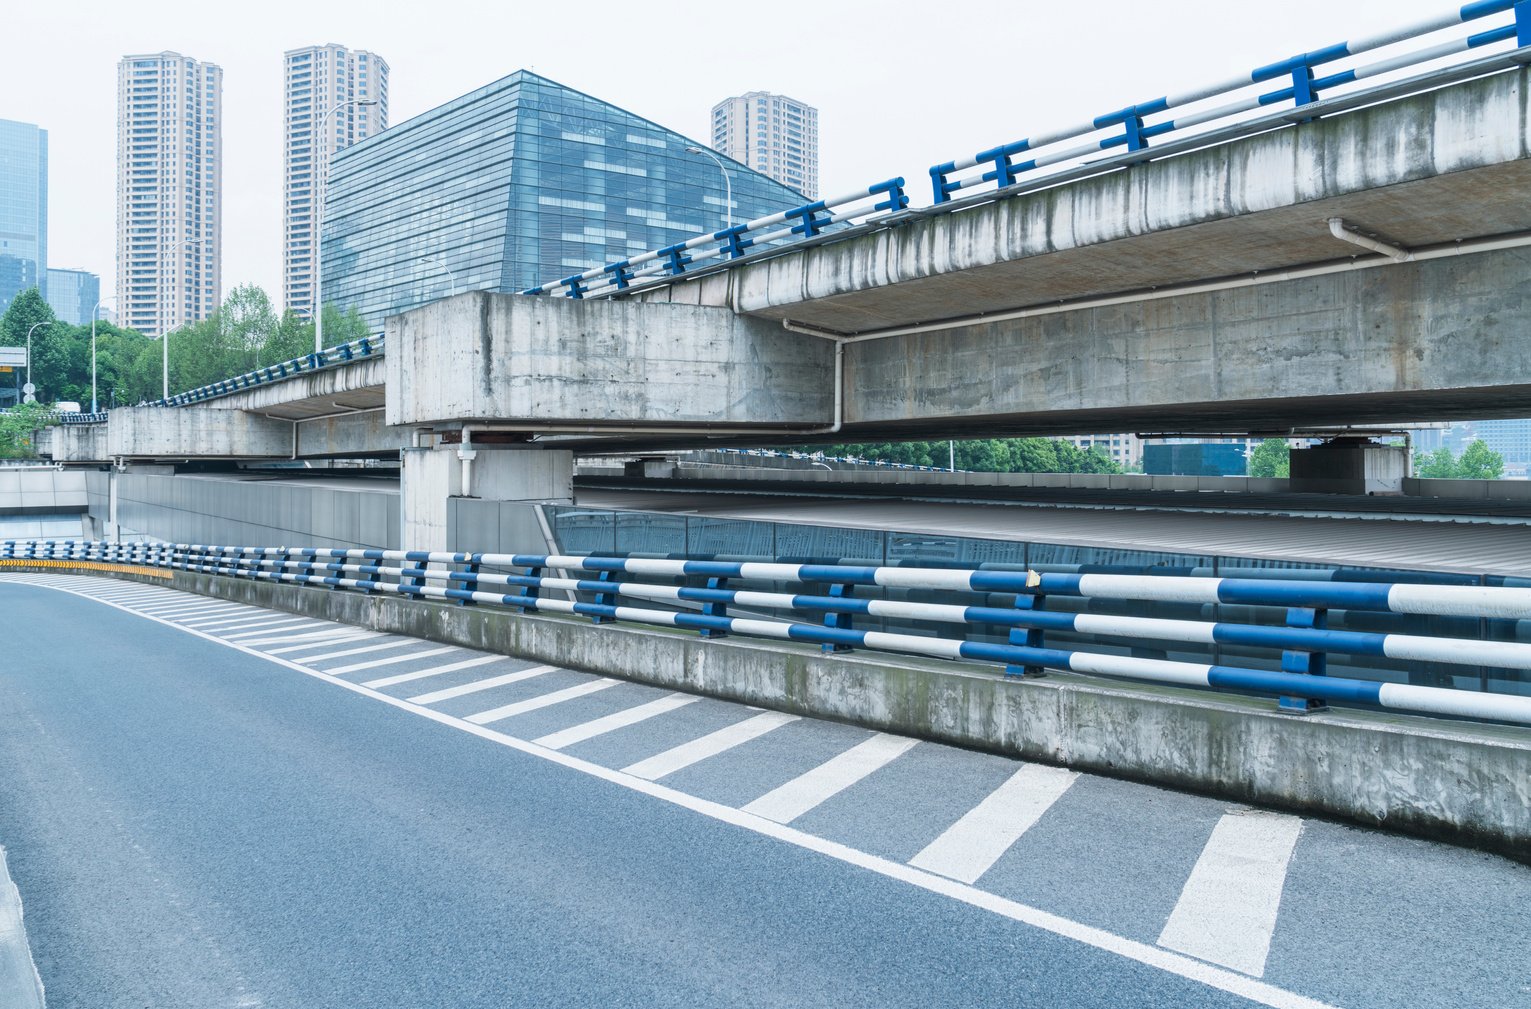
(546,700)
(451,667)
(968,848)
(478,685)
(1227,911)
(396,643)
(356,667)
(806,791)
(610,723)
(176,609)
(289,625)
(133,594)
(1088,935)
(326,643)
(20,985)
(710,745)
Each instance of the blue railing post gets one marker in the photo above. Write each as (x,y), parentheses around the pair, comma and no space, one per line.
(471,567)
(531,591)
(1311,663)
(1029,637)
(839,621)
(715,609)
(1523,23)
(605,598)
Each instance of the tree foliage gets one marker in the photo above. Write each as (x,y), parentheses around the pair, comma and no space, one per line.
(17,426)
(1271,458)
(985,455)
(243,334)
(1478,462)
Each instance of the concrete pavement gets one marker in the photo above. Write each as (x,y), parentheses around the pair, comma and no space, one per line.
(352,818)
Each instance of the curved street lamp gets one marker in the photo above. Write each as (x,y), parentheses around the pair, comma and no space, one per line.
(442,263)
(35,327)
(728,186)
(318,233)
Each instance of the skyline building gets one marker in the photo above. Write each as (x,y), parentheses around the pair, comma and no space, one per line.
(169,190)
(23,209)
(773,134)
(517,183)
(318,79)
(72,294)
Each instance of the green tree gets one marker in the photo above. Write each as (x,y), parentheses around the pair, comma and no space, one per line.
(1438,465)
(1479,462)
(26,310)
(17,426)
(984,455)
(1271,458)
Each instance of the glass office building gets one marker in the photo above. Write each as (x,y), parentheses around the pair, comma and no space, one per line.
(72,294)
(515,184)
(23,210)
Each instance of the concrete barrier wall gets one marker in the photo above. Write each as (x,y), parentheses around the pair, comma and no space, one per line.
(29,490)
(1458,782)
(184,509)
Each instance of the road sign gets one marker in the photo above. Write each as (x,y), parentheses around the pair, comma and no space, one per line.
(29,398)
(13,357)
(28,389)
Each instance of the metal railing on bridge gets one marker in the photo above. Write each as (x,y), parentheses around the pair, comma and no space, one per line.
(1110,141)
(606,588)
(321,360)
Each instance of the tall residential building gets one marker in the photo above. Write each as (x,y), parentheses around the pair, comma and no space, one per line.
(23,209)
(520,182)
(72,294)
(773,134)
(169,191)
(320,78)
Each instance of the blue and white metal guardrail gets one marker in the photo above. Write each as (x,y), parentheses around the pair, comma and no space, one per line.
(329,357)
(1303,643)
(1297,81)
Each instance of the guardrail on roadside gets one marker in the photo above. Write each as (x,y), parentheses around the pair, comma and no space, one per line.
(1127,131)
(329,357)
(1303,642)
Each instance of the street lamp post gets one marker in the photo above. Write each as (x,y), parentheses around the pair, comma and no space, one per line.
(34,328)
(451,277)
(164,339)
(728,186)
(318,234)
(94,313)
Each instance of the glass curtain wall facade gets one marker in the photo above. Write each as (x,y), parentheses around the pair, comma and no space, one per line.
(518,183)
(72,294)
(23,210)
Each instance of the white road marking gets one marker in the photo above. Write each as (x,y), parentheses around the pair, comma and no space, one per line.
(322,643)
(20,985)
(710,745)
(970,846)
(395,643)
(225,623)
(291,625)
(1088,935)
(477,685)
(357,667)
(1227,911)
(836,774)
(450,667)
(176,609)
(329,636)
(617,720)
(545,701)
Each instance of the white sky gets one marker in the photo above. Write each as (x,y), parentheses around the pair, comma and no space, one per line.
(901,92)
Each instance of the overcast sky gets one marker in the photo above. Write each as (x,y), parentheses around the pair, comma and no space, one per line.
(898,89)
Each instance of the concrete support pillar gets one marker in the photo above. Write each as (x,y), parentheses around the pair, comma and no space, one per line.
(1349,466)
(432,477)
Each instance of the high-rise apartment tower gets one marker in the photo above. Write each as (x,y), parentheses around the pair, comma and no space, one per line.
(169,191)
(23,209)
(773,134)
(319,79)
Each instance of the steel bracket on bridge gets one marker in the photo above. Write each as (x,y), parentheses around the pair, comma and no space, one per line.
(1311,663)
(715,609)
(1029,637)
(838,621)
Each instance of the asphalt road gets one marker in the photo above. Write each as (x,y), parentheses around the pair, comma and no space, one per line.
(191,824)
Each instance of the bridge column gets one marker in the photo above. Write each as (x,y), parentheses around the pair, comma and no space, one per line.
(432,492)
(1349,466)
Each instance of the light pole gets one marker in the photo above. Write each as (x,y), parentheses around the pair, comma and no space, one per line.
(728,186)
(318,310)
(164,340)
(94,312)
(451,277)
(34,328)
